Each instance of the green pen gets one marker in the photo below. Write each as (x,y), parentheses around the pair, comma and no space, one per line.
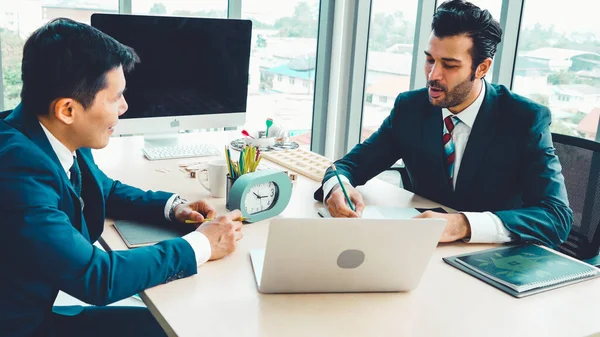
(343,188)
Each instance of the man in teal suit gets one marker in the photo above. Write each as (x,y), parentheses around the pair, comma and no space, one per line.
(466,144)
(54,198)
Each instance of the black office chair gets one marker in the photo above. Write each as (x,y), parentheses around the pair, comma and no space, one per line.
(580,159)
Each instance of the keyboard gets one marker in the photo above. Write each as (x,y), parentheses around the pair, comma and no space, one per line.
(181,151)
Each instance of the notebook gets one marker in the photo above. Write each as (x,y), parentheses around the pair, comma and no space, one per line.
(382,212)
(523,270)
(137,234)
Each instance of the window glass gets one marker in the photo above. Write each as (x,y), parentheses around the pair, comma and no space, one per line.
(558,64)
(282,65)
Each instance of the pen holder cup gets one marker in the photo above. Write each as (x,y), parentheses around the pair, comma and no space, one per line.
(228,185)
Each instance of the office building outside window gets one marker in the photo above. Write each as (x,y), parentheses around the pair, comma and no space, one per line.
(284,45)
(389,59)
(558,64)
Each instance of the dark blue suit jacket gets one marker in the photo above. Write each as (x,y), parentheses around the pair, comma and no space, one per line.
(46,239)
(509,166)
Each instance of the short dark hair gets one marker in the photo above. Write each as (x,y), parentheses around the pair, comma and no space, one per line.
(457,17)
(68,59)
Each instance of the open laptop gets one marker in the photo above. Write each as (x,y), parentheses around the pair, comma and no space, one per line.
(345,255)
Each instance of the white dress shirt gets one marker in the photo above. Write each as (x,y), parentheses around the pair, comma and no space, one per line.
(485,226)
(197,240)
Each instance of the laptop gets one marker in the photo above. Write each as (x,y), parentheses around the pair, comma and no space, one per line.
(345,255)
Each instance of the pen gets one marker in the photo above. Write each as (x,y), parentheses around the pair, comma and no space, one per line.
(211,219)
(343,188)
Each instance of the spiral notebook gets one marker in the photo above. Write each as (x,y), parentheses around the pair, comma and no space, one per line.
(524,270)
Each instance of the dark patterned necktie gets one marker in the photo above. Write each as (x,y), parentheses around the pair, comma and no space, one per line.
(76,176)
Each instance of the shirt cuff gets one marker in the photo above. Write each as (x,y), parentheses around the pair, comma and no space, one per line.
(168,206)
(331,183)
(486,227)
(200,245)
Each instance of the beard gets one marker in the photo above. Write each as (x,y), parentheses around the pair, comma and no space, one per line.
(455,96)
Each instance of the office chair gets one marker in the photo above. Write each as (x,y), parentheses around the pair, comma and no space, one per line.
(580,160)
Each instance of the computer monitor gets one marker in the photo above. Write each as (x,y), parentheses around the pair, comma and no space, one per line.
(193,72)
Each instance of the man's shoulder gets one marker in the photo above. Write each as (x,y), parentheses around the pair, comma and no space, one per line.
(518,105)
(418,96)
(17,147)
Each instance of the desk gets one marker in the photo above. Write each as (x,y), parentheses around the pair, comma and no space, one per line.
(222,300)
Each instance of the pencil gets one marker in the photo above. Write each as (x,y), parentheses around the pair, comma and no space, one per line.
(228,159)
(343,188)
(211,219)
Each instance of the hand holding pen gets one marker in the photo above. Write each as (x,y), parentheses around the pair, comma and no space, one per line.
(344,201)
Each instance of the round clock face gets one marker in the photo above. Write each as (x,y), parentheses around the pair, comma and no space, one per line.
(261,197)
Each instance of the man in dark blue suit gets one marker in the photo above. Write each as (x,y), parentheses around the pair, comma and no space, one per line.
(466,144)
(54,198)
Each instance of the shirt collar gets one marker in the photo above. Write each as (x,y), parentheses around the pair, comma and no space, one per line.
(62,152)
(469,114)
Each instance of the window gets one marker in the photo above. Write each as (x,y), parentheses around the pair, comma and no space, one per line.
(284,43)
(19,18)
(558,64)
(389,59)
(78,10)
(194,8)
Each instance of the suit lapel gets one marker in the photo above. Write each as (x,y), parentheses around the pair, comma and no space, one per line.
(483,131)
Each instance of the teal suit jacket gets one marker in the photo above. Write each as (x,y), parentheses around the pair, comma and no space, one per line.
(46,239)
(508,167)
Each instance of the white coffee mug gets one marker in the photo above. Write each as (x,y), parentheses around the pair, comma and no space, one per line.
(217,178)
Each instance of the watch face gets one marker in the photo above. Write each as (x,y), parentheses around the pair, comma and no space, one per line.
(261,197)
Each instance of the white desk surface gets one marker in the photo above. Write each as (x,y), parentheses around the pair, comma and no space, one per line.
(222,300)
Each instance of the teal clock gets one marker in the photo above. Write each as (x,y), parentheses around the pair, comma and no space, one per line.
(260,195)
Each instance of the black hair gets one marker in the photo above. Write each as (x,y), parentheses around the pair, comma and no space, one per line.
(457,17)
(68,59)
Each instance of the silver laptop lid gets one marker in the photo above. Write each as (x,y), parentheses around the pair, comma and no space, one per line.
(347,255)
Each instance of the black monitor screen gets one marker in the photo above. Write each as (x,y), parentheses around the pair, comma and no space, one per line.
(189,66)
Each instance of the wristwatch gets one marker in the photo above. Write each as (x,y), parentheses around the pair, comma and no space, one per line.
(176,202)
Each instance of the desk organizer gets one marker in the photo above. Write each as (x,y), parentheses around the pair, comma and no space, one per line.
(306,163)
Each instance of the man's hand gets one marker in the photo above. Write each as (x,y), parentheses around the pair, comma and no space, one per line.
(195,211)
(223,233)
(457,225)
(338,206)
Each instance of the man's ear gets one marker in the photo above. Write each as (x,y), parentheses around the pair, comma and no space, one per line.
(64,109)
(483,68)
